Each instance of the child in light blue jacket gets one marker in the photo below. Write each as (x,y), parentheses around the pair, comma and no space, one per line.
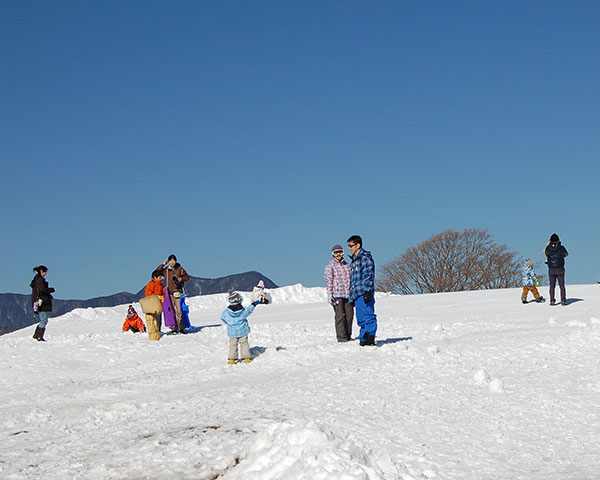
(530,282)
(235,317)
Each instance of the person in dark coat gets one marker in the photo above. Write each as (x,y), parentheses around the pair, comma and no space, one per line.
(41,299)
(555,258)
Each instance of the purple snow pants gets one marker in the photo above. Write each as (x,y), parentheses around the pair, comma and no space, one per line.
(555,274)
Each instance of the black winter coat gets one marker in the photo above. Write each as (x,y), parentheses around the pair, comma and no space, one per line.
(556,253)
(40,290)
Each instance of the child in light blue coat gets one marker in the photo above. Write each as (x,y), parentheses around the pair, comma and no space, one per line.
(235,317)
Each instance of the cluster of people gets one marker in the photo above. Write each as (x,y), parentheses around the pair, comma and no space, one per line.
(555,259)
(350,287)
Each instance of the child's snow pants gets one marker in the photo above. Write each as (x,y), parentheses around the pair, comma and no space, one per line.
(531,289)
(244,348)
(153,326)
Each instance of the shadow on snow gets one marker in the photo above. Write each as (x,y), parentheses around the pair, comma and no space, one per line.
(393,340)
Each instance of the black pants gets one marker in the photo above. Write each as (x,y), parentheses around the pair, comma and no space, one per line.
(344,315)
(555,274)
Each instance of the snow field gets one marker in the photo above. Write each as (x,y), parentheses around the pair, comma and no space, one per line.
(468,385)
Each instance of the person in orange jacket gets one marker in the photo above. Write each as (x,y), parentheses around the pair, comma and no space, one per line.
(155,287)
(133,321)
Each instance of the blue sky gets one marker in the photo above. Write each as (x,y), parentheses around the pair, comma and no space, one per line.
(254,135)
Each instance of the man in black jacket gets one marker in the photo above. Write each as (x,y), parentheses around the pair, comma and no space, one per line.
(555,254)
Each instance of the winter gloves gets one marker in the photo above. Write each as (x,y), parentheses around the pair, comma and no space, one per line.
(368,296)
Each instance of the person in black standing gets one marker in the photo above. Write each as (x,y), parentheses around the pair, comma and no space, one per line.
(41,299)
(555,258)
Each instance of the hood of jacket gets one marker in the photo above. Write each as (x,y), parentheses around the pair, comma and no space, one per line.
(35,279)
(553,247)
(236,310)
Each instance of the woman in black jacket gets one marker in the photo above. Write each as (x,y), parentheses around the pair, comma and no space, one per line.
(555,258)
(41,299)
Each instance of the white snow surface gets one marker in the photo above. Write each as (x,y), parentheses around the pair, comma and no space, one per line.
(470,385)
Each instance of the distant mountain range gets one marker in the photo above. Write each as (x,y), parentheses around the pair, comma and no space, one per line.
(16,311)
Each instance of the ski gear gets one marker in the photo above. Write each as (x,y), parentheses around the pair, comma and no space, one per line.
(40,334)
(236,320)
(344,316)
(133,323)
(557,274)
(41,291)
(366,318)
(337,278)
(172,273)
(362,277)
(242,342)
(528,275)
(555,254)
(235,297)
(154,287)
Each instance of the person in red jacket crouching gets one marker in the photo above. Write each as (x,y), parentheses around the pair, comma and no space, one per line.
(133,321)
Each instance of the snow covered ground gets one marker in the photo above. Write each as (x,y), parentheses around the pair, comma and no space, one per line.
(469,385)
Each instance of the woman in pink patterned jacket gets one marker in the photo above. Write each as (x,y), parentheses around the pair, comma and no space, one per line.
(337,281)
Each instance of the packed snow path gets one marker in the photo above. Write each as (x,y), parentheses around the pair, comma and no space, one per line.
(470,385)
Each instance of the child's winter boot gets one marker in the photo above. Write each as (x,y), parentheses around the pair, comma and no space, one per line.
(248,360)
(539,299)
(231,361)
(524,301)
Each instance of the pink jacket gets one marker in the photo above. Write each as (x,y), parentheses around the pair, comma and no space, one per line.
(337,278)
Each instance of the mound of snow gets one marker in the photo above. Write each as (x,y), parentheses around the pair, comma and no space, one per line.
(496,385)
(481,377)
(309,451)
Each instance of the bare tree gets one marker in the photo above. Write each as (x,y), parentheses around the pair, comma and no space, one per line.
(450,262)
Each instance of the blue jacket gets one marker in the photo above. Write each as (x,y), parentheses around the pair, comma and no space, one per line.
(529,278)
(556,253)
(362,278)
(237,321)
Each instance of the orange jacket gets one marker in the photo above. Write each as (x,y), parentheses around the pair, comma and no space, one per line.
(135,322)
(154,287)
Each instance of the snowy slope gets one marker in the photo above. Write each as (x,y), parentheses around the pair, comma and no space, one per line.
(469,385)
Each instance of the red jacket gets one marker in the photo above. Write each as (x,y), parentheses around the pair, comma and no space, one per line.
(134,322)
(154,287)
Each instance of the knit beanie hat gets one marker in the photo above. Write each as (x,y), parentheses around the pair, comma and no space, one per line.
(529,262)
(554,238)
(234,297)
(336,248)
(131,312)
(261,284)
